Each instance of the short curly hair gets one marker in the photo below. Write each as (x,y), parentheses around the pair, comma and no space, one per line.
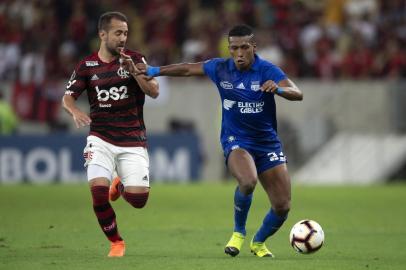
(240,31)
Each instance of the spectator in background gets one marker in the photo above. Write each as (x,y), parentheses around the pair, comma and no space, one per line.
(268,48)
(194,48)
(396,56)
(10,49)
(174,27)
(358,60)
(325,63)
(8,119)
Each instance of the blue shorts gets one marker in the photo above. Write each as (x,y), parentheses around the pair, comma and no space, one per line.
(265,156)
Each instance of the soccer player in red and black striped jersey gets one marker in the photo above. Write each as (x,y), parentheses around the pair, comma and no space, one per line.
(117,140)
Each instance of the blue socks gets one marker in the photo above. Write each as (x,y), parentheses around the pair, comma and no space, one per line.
(242,205)
(270,225)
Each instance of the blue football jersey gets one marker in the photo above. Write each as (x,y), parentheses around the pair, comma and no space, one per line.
(248,114)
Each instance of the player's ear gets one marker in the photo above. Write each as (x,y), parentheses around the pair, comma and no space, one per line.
(102,35)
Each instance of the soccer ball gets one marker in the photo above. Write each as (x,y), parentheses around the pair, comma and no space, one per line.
(306,236)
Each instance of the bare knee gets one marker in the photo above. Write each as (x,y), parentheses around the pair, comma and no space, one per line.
(137,200)
(242,167)
(282,207)
(247,184)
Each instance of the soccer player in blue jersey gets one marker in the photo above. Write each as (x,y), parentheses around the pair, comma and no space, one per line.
(247,86)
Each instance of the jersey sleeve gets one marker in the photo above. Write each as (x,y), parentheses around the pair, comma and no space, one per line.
(209,67)
(138,58)
(77,82)
(274,73)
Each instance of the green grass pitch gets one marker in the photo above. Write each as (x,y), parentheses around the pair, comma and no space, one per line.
(187,226)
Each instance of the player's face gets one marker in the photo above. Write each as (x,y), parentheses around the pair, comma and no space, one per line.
(242,50)
(116,37)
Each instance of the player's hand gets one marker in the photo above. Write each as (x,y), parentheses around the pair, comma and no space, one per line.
(81,119)
(142,68)
(269,86)
(128,64)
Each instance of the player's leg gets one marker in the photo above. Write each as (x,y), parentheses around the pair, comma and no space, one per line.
(137,196)
(133,167)
(276,183)
(99,186)
(116,188)
(242,167)
(99,163)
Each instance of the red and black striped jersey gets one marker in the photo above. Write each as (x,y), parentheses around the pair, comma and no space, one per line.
(116,100)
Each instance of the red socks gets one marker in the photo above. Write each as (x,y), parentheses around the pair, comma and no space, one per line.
(105,213)
(137,200)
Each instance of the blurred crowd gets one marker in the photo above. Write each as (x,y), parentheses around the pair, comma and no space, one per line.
(41,41)
(308,38)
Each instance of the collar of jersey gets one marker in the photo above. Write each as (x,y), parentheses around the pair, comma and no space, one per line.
(254,66)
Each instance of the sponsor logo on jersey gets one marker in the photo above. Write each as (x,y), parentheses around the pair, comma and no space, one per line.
(94,77)
(145,178)
(68,92)
(251,107)
(72,76)
(241,86)
(124,74)
(255,85)
(244,107)
(91,63)
(114,93)
(231,138)
(226,85)
(228,104)
(71,82)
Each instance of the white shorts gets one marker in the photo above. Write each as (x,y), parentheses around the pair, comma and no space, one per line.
(131,163)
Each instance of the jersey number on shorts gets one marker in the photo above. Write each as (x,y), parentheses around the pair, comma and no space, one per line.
(274,157)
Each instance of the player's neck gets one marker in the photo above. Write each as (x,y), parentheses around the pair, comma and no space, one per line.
(105,55)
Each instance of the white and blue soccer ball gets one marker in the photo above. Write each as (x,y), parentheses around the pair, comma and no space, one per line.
(306,236)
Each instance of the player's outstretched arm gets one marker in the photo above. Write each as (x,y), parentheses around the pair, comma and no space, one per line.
(174,70)
(286,88)
(80,118)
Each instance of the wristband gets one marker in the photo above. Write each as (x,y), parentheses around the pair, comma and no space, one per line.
(279,91)
(153,71)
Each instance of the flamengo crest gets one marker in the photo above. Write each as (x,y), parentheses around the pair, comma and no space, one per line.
(124,74)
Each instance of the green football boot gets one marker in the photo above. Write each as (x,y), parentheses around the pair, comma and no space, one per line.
(260,250)
(233,246)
